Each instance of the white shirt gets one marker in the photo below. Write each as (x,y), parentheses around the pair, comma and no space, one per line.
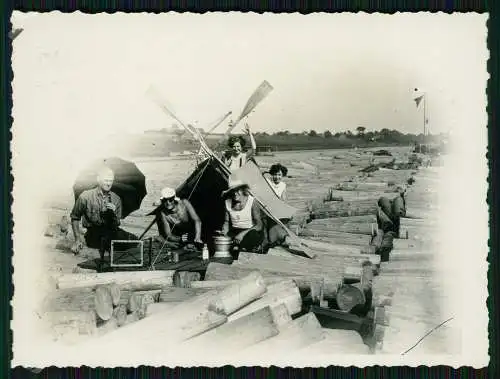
(277,188)
(241,219)
(235,163)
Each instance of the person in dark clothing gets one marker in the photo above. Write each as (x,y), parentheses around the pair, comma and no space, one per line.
(100,211)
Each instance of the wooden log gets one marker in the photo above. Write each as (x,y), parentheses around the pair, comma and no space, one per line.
(354,228)
(184,278)
(120,314)
(108,326)
(297,334)
(153,334)
(418,233)
(218,271)
(103,303)
(238,334)
(334,195)
(211,284)
(332,274)
(161,307)
(69,300)
(409,255)
(346,219)
(341,238)
(235,296)
(83,322)
(154,294)
(175,294)
(349,208)
(353,297)
(127,280)
(361,186)
(334,341)
(322,247)
(115,292)
(286,293)
(133,303)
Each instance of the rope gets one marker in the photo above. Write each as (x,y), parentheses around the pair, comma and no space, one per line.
(173,228)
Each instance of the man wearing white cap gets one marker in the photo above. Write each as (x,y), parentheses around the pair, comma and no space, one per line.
(176,217)
(243,219)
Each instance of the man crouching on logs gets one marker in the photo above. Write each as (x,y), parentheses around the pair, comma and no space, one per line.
(100,210)
(243,221)
(176,218)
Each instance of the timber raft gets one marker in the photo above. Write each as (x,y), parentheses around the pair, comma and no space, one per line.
(366,291)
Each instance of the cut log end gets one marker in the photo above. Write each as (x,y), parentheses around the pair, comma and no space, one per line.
(349,296)
(103,303)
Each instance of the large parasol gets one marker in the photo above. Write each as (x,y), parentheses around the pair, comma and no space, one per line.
(129,183)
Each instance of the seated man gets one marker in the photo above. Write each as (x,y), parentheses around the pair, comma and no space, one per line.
(243,219)
(177,217)
(100,210)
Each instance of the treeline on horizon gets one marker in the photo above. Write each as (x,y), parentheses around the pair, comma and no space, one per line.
(166,141)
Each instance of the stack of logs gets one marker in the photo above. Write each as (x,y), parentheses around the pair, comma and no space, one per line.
(256,296)
(225,322)
(96,303)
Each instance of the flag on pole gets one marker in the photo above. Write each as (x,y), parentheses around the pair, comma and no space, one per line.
(418,100)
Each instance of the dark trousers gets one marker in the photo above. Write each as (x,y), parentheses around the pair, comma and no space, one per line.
(251,242)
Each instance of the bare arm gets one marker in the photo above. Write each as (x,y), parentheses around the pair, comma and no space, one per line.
(225,226)
(194,216)
(251,152)
(163,225)
(75,225)
(257,217)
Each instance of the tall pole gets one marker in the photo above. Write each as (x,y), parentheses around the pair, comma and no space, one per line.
(425,113)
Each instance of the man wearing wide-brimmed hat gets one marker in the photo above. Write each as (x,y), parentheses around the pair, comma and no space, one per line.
(176,217)
(243,219)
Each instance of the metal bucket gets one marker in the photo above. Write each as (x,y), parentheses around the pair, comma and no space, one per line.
(222,246)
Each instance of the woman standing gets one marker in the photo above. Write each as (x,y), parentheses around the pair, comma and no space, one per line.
(243,220)
(235,157)
(278,172)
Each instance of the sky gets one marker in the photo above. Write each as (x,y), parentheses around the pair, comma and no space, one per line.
(79,79)
(329,72)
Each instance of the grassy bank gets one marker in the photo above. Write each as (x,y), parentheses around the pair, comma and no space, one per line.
(163,144)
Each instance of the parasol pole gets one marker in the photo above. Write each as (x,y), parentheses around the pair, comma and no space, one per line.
(147,229)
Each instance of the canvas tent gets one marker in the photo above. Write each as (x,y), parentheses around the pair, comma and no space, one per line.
(204,186)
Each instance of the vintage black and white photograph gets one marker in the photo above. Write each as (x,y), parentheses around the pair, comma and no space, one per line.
(249,189)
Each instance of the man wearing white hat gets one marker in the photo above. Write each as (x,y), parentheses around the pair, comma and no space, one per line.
(177,217)
(243,219)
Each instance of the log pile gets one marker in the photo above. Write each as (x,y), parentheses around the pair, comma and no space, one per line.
(358,279)
(97,303)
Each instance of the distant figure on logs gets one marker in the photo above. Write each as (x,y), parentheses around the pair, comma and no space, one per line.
(100,210)
(278,172)
(235,157)
(243,220)
(177,217)
(391,211)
